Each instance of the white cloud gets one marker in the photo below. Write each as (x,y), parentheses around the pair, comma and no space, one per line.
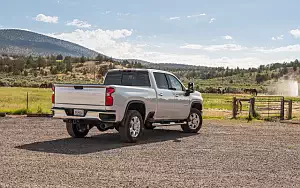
(203,60)
(142,45)
(79,23)
(289,48)
(47,19)
(123,14)
(295,33)
(227,37)
(278,37)
(196,15)
(212,20)
(103,41)
(212,48)
(192,46)
(106,12)
(174,18)
(108,42)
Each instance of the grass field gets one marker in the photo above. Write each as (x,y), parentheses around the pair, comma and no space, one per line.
(13,101)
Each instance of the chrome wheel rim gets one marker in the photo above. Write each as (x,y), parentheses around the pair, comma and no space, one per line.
(135,126)
(194,121)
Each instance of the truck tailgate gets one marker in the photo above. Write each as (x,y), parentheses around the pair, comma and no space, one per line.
(80,95)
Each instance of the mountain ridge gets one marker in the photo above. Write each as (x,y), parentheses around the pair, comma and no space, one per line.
(23,42)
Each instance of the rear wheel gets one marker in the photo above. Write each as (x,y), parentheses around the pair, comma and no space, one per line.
(132,127)
(194,122)
(117,127)
(77,130)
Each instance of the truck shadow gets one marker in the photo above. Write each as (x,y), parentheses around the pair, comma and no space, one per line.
(102,142)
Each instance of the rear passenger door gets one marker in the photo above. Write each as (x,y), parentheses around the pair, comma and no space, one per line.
(165,97)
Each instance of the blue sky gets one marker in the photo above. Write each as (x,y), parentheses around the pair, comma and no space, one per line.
(211,33)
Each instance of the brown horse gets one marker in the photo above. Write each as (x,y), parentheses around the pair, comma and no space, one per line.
(251,91)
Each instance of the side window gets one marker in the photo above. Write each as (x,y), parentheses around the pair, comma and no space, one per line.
(113,78)
(128,78)
(174,83)
(133,78)
(161,80)
(143,79)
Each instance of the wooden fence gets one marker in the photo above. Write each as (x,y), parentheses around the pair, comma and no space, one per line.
(263,107)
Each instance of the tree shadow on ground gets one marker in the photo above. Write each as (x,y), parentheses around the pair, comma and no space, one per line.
(102,142)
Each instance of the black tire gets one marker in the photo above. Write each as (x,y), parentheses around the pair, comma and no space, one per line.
(117,127)
(73,130)
(124,128)
(187,128)
(149,126)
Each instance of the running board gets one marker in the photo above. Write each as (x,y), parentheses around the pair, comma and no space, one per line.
(168,124)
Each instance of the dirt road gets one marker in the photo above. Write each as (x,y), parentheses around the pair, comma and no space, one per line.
(37,152)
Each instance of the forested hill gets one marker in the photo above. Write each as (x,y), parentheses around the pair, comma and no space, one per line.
(25,43)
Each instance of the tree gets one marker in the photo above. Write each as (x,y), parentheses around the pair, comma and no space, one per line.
(102,71)
(261,78)
(60,67)
(295,68)
(100,59)
(68,64)
(41,62)
(59,57)
(29,62)
(82,59)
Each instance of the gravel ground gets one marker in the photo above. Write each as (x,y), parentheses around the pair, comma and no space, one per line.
(37,152)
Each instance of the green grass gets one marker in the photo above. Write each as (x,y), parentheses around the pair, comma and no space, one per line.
(13,100)
(217,101)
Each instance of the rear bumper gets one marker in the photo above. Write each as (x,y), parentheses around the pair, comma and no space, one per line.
(108,116)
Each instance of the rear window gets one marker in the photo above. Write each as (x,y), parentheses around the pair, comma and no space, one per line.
(132,78)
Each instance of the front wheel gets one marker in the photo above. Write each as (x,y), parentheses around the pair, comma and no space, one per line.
(131,129)
(77,130)
(194,122)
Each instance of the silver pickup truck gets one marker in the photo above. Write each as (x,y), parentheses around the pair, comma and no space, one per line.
(130,100)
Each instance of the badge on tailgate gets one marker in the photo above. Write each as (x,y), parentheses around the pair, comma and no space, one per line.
(78,112)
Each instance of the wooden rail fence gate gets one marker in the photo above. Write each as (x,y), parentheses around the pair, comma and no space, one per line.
(263,107)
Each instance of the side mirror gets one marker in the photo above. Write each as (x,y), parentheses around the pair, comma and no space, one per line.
(190,89)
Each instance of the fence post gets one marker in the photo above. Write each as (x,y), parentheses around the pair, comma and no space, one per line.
(27,103)
(290,109)
(282,109)
(234,110)
(252,105)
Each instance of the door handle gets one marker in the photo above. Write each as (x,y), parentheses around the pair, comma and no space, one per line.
(176,95)
(161,94)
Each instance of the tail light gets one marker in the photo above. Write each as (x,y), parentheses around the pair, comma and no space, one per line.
(109,100)
(53,95)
